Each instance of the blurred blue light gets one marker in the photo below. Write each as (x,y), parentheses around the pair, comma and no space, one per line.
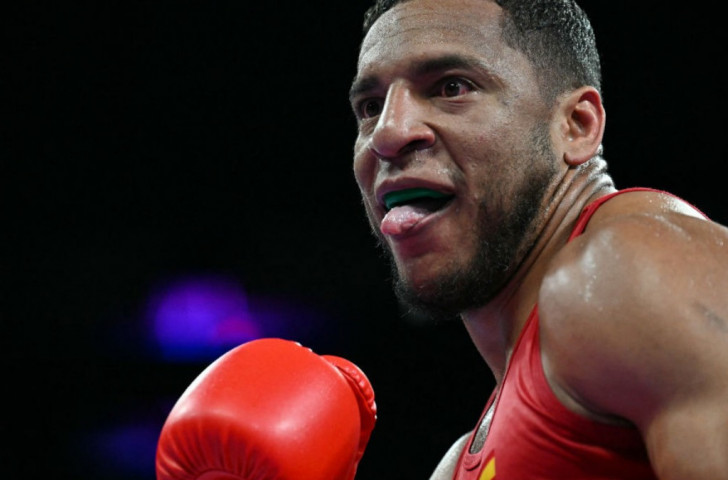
(122,451)
(197,318)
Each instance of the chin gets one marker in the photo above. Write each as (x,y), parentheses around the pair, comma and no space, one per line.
(445,295)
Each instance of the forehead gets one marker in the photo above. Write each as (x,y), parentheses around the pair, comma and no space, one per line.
(418,28)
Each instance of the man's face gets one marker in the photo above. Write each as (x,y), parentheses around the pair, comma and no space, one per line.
(453,154)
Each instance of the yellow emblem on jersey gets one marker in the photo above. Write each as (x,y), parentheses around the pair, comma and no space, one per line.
(488,472)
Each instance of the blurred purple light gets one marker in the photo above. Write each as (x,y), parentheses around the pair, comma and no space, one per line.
(123,449)
(200,317)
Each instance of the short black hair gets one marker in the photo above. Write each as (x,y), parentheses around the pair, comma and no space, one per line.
(555,35)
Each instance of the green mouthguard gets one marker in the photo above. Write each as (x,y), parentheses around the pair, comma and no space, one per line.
(393,199)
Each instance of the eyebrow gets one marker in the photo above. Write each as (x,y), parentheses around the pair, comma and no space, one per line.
(427,67)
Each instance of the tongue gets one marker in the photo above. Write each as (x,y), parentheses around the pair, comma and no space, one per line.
(400,220)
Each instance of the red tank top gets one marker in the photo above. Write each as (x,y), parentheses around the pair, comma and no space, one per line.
(533,436)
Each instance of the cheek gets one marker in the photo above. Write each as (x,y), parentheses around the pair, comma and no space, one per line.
(487,167)
(364,168)
(478,156)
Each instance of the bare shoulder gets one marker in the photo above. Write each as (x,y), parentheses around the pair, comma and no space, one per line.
(643,286)
(445,470)
(637,244)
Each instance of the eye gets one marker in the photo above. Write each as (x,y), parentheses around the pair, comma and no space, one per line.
(369,108)
(454,87)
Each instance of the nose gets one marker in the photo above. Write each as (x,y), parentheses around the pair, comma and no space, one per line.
(401,127)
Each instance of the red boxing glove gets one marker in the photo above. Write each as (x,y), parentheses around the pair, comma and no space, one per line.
(269,409)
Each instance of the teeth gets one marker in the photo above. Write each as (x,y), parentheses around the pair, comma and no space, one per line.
(392,199)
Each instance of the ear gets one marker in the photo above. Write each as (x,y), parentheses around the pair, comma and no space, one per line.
(582,125)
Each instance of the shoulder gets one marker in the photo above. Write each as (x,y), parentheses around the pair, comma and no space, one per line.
(643,285)
(636,244)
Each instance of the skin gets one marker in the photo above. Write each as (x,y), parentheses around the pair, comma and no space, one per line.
(465,130)
(429,133)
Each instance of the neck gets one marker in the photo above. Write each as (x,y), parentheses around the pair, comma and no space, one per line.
(494,328)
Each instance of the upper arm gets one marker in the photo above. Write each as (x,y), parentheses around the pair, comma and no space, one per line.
(635,325)
(446,468)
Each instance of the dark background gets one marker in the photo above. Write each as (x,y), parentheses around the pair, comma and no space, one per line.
(146,141)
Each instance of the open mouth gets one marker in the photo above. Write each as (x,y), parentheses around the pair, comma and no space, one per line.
(421,198)
(408,208)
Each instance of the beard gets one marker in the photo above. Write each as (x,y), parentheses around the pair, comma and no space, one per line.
(505,233)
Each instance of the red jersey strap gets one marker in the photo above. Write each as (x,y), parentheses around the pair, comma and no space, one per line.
(589,210)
